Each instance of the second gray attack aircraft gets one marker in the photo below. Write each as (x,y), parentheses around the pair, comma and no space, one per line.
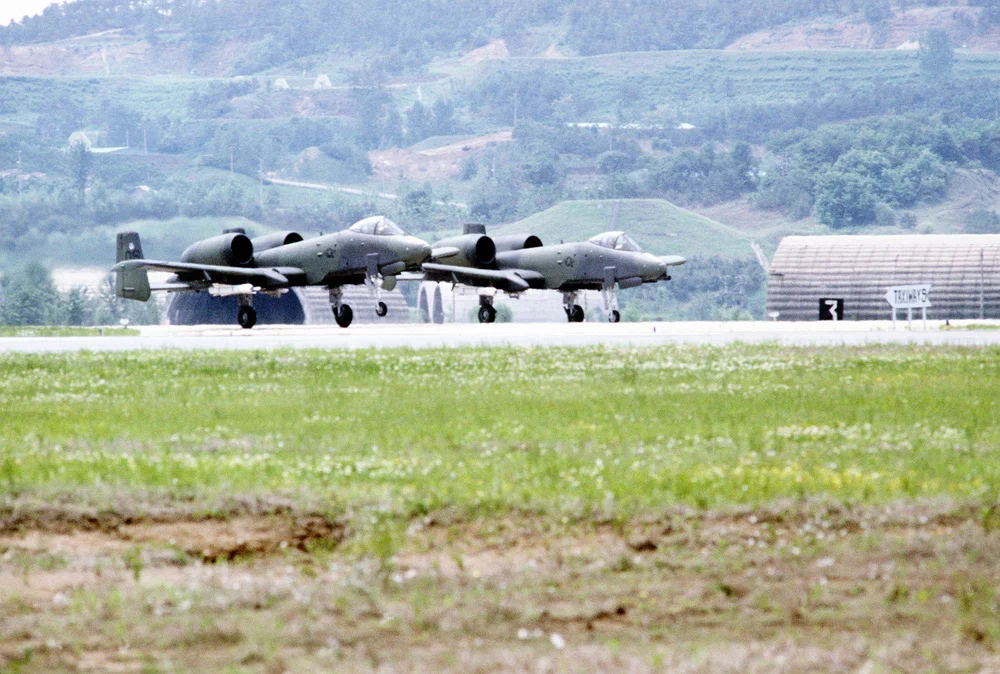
(515,263)
(373,251)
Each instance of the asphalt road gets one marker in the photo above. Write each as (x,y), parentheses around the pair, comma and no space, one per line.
(513,334)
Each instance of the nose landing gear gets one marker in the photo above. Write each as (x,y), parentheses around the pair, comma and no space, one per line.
(574,312)
(342,313)
(487,313)
(246,316)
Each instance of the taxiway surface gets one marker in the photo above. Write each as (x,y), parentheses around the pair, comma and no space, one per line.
(516,334)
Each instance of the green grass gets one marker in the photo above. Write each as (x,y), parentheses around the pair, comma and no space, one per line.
(63,331)
(569,432)
(657,225)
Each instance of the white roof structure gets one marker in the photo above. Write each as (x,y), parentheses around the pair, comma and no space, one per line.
(963,270)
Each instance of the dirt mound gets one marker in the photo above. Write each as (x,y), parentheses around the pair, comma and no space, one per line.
(494,50)
(210,539)
(973,189)
(903,27)
(214,540)
(439,163)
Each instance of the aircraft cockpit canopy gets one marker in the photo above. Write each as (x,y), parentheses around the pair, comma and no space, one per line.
(377,225)
(616,241)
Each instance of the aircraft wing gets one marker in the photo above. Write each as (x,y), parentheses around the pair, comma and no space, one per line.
(510,280)
(264,277)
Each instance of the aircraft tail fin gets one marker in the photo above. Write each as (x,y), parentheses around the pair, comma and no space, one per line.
(131,281)
(129,247)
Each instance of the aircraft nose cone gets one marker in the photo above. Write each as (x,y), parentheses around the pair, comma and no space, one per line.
(417,251)
(421,251)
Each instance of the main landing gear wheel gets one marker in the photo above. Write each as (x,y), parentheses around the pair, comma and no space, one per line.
(381,309)
(246,317)
(615,316)
(487,314)
(344,316)
(575,315)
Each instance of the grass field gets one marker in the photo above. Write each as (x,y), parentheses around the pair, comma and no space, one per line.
(657,225)
(669,509)
(63,331)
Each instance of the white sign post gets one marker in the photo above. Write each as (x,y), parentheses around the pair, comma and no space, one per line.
(909,298)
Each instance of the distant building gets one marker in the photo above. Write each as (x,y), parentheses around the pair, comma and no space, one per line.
(857,271)
(281,83)
(323,82)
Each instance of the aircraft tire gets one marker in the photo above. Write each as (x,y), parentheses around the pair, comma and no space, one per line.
(576,314)
(615,316)
(487,314)
(381,309)
(344,316)
(246,317)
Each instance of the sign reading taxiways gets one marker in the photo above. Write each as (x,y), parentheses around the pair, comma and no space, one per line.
(909,297)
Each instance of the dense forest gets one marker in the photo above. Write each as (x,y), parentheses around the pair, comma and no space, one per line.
(412,32)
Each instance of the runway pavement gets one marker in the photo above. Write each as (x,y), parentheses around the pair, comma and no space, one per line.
(517,334)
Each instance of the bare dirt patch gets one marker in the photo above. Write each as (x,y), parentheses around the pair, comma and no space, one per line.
(208,538)
(904,26)
(789,587)
(214,540)
(440,163)
(494,50)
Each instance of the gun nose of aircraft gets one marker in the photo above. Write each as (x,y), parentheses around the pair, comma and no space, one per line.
(655,268)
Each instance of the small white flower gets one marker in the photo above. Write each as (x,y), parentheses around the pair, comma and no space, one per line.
(557,640)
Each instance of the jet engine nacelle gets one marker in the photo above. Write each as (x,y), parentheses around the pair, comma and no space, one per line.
(228,250)
(510,242)
(474,250)
(269,241)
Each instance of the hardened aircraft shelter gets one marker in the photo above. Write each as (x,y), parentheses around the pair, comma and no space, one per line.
(847,277)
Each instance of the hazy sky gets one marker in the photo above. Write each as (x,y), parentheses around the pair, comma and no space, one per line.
(18,9)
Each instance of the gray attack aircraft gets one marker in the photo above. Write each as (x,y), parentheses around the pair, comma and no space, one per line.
(514,263)
(373,251)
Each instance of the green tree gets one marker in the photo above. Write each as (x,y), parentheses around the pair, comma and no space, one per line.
(877,11)
(845,198)
(444,117)
(30,297)
(937,55)
(77,307)
(81,160)
(419,123)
